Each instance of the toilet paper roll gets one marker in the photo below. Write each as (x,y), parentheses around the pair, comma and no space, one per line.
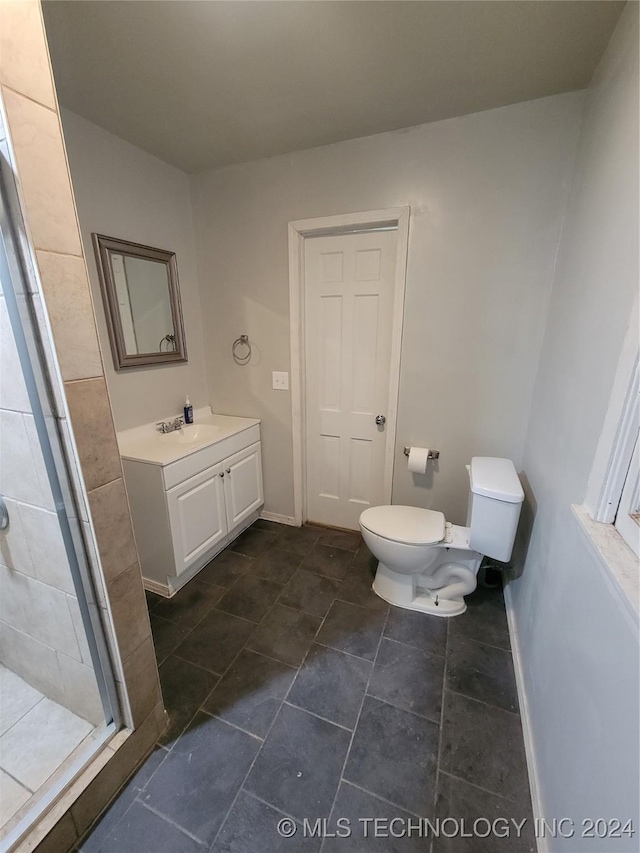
(418,459)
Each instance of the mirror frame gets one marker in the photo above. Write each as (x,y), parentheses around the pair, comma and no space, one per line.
(103,246)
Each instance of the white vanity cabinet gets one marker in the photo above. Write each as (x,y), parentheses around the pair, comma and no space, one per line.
(197,516)
(243,493)
(191,494)
(206,508)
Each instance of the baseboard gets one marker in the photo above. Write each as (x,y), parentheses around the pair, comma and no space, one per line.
(279,519)
(536,802)
(158,588)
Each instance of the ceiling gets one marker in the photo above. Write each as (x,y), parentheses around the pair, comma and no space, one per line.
(206,84)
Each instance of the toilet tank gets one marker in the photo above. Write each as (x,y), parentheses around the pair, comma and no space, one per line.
(494,506)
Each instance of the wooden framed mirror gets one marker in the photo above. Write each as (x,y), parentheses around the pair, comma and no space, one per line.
(142,302)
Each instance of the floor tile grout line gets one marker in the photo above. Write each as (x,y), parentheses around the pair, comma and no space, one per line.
(191,630)
(302,568)
(197,665)
(244,645)
(246,776)
(285,700)
(341,777)
(17,781)
(480,788)
(22,716)
(417,648)
(317,716)
(484,643)
(481,702)
(441,726)
(364,607)
(304,660)
(171,822)
(265,655)
(220,677)
(275,717)
(382,799)
(224,589)
(135,799)
(342,651)
(93,826)
(203,710)
(401,708)
(267,803)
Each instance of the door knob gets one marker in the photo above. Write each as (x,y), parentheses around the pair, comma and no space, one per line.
(380,420)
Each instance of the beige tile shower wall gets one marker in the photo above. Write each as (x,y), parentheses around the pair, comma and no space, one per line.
(63,302)
(41,633)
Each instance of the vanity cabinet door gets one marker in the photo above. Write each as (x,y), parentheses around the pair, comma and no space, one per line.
(197,516)
(243,484)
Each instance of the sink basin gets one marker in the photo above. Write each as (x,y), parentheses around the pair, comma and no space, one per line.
(146,444)
(191,434)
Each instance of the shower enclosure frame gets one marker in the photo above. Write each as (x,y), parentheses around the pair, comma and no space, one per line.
(18,285)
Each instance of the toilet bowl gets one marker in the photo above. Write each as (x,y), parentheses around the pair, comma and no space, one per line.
(426,563)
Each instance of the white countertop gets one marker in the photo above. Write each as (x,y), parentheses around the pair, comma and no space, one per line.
(146,444)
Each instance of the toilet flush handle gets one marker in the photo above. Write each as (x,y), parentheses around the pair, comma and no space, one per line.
(380,420)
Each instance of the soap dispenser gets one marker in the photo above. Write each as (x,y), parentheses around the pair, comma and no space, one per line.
(188,411)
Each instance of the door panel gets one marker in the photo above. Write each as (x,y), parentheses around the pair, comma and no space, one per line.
(365,343)
(361,463)
(349,290)
(330,351)
(243,485)
(197,515)
(329,468)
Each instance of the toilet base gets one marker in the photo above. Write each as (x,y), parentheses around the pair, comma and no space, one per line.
(410,592)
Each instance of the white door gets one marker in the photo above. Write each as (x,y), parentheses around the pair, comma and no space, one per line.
(349,296)
(197,516)
(243,484)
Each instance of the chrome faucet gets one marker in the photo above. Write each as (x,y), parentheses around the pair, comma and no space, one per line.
(170,426)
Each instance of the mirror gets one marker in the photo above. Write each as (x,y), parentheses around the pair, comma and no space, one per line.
(142,302)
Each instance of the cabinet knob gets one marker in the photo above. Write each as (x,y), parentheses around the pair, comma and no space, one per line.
(228,470)
(222,474)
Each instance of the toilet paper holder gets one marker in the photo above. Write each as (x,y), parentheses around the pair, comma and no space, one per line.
(433,454)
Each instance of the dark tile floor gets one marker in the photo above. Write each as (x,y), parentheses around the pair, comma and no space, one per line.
(294,691)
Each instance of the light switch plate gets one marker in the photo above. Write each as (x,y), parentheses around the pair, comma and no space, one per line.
(280,380)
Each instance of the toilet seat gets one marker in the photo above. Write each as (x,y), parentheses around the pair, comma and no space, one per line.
(410,525)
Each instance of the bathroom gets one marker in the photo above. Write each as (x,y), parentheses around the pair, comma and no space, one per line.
(491,162)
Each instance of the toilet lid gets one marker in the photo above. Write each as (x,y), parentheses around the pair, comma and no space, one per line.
(409,524)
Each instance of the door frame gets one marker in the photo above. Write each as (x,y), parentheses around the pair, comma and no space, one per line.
(299,230)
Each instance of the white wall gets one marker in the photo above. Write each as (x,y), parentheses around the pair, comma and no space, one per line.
(487,193)
(123,192)
(578,641)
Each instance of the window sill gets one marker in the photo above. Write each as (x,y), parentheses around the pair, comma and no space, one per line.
(617,560)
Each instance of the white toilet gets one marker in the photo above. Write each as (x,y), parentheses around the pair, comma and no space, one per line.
(428,564)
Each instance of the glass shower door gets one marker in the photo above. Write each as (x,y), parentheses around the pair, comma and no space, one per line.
(57,697)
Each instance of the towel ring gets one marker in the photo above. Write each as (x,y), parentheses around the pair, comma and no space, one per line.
(242,341)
